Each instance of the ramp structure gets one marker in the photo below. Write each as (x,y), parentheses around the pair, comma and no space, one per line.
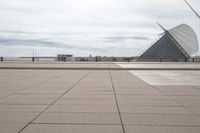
(176,44)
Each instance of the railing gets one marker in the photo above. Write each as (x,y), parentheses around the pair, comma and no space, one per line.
(54,59)
(27,59)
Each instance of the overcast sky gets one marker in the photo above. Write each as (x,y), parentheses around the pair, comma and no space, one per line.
(84,27)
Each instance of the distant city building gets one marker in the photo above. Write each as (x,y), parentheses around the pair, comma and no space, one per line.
(177,44)
(105,59)
(63,57)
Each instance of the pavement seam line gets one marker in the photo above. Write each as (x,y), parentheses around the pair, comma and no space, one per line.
(53,102)
(117,104)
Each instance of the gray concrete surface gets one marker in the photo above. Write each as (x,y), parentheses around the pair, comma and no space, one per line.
(182,78)
(91,101)
(100,66)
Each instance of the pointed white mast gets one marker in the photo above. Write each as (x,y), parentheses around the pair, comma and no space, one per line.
(192,9)
(161,27)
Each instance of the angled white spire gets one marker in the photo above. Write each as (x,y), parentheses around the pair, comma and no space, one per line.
(192,9)
(161,26)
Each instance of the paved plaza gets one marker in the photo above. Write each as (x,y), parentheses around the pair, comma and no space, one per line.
(99,101)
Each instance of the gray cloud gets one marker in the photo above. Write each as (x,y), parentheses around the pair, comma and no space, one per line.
(118,38)
(18,32)
(27,42)
(88,26)
(14,9)
(39,42)
(48,44)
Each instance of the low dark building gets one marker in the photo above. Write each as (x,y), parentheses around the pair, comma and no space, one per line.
(63,57)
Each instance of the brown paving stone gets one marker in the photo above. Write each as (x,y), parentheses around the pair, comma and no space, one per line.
(196,110)
(44,128)
(53,85)
(83,92)
(160,129)
(143,97)
(31,96)
(77,89)
(182,93)
(154,110)
(16,117)
(86,102)
(138,92)
(141,102)
(29,101)
(79,118)
(22,108)
(122,89)
(10,127)
(145,104)
(175,87)
(43,91)
(89,96)
(83,109)
(190,103)
(161,119)
(185,98)
(63,80)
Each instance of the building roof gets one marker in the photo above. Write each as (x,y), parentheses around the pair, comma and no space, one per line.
(176,44)
(186,37)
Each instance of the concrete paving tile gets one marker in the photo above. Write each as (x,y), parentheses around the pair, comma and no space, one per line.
(8,92)
(104,80)
(196,110)
(83,109)
(31,96)
(45,128)
(10,127)
(184,93)
(149,103)
(161,119)
(125,85)
(43,91)
(79,118)
(180,98)
(22,108)
(92,89)
(140,104)
(64,80)
(127,80)
(54,85)
(89,96)
(16,117)
(197,87)
(136,87)
(86,102)
(160,129)
(139,92)
(154,110)
(79,92)
(20,85)
(91,85)
(190,103)
(176,88)
(19,101)
(143,97)
(169,77)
